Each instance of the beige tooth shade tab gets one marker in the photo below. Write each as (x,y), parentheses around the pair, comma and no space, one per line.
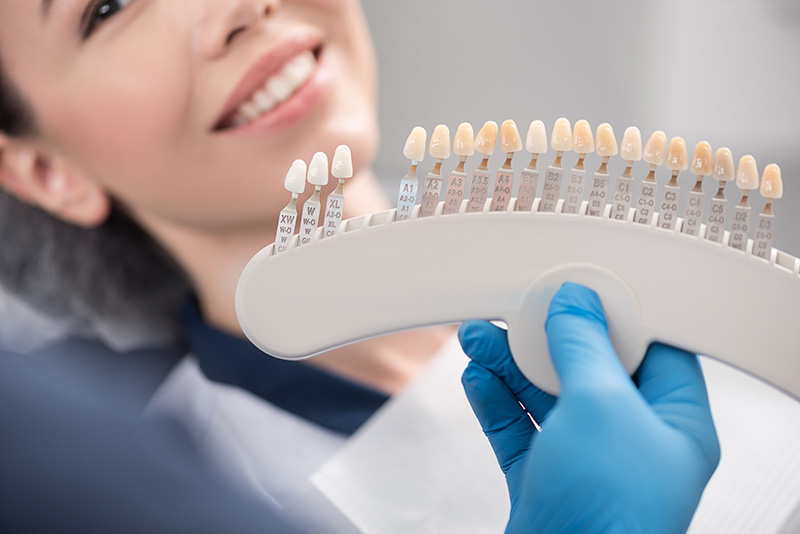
(631,147)
(510,140)
(486,139)
(724,167)
(582,138)
(464,143)
(656,148)
(677,158)
(536,142)
(440,142)
(606,145)
(771,183)
(415,144)
(318,170)
(561,140)
(702,159)
(747,174)
(296,177)
(342,166)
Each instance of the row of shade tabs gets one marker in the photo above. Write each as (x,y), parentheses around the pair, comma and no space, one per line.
(644,204)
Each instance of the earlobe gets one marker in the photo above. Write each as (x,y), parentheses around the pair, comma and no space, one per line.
(39,180)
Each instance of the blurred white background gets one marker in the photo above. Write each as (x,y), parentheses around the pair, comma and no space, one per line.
(721,71)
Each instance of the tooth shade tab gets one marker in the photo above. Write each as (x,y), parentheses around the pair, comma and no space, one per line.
(606,145)
(747,174)
(510,140)
(440,142)
(318,170)
(464,143)
(296,177)
(771,183)
(656,148)
(677,157)
(561,140)
(415,144)
(342,166)
(702,159)
(486,139)
(631,147)
(536,142)
(582,138)
(724,167)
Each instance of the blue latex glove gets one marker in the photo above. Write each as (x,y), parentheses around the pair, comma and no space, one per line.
(611,457)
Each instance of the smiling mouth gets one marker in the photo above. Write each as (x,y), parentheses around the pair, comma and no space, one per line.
(275,90)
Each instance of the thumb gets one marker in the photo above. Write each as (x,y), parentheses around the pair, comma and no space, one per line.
(577,335)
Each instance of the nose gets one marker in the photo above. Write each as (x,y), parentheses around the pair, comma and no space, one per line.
(221,22)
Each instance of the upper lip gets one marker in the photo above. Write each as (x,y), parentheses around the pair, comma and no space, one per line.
(264,67)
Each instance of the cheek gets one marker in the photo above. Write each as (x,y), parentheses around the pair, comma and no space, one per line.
(113,119)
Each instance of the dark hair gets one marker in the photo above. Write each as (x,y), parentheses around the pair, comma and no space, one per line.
(111,279)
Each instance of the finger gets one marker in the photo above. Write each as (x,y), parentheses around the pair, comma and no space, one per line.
(502,419)
(671,381)
(487,345)
(577,334)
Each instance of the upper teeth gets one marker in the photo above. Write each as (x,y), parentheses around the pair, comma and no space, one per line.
(277,88)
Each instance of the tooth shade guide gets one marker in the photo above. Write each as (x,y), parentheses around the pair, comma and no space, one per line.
(479,189)
(503,184)
(668,206)
(762,244)
(740,227)
(433,191)
(551,192)
(528,185)
(575,186)
(623,194)
(286,225)
(715,229)
(407,198)
(646,201)
(456,188)
(310,219)
(598,193)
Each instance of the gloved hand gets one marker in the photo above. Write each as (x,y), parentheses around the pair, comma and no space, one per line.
(611,457)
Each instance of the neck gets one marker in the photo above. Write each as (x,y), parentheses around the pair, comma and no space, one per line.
(213,260)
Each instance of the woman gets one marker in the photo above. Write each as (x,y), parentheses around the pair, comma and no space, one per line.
(152,137)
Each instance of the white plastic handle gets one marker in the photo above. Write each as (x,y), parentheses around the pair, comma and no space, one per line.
(656,285)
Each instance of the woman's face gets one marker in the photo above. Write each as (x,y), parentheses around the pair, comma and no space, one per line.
(191,111)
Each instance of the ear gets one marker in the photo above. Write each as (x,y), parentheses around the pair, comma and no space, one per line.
(41,180)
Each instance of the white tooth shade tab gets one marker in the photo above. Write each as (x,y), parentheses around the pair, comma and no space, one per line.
(278,88)
(582,138)
(702,159)
(296,177)
(510,140)
(561,140)
(677,158)
(415,144)
(486,140)
(631,147)
(771,183)
(656,148)
(606,144)
(724,167)
(318,170)
(747,173)
(536,142)
(342,165)
(440,142)
(464,143)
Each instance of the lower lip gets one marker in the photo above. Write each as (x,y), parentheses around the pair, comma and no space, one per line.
(301,104)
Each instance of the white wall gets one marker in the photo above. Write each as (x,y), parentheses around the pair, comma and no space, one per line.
(721,71)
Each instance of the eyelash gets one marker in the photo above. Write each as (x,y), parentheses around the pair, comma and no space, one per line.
(94,16)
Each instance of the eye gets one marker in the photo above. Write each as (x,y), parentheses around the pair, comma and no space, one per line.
(98,12)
